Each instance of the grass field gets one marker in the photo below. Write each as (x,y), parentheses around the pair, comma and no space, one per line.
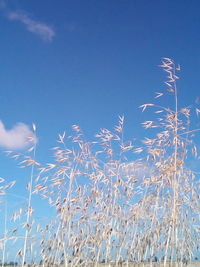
(192,264)
(114,199)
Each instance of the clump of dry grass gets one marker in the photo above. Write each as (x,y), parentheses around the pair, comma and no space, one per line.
(108,208)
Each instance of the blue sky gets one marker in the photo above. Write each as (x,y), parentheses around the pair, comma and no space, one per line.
(86,62)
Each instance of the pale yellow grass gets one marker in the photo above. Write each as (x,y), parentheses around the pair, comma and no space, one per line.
(147,264)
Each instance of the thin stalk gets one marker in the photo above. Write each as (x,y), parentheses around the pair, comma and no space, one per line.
(5,233)
(175,175)
(153,220)
(175,187)
(29,209)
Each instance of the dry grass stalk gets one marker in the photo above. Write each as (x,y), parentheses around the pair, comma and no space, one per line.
(109,208)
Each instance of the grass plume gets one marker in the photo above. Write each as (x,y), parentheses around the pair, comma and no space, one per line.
(109,208)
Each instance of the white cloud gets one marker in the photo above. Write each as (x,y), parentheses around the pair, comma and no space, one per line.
(17,137)
(43,30)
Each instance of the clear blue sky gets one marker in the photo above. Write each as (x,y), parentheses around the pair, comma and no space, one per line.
(101,62)
(86,61)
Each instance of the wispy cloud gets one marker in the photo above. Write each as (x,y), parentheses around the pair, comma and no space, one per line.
(16,138)
(2,4)
(43,30)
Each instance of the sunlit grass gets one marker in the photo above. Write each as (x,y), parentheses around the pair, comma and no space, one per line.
(115,200)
